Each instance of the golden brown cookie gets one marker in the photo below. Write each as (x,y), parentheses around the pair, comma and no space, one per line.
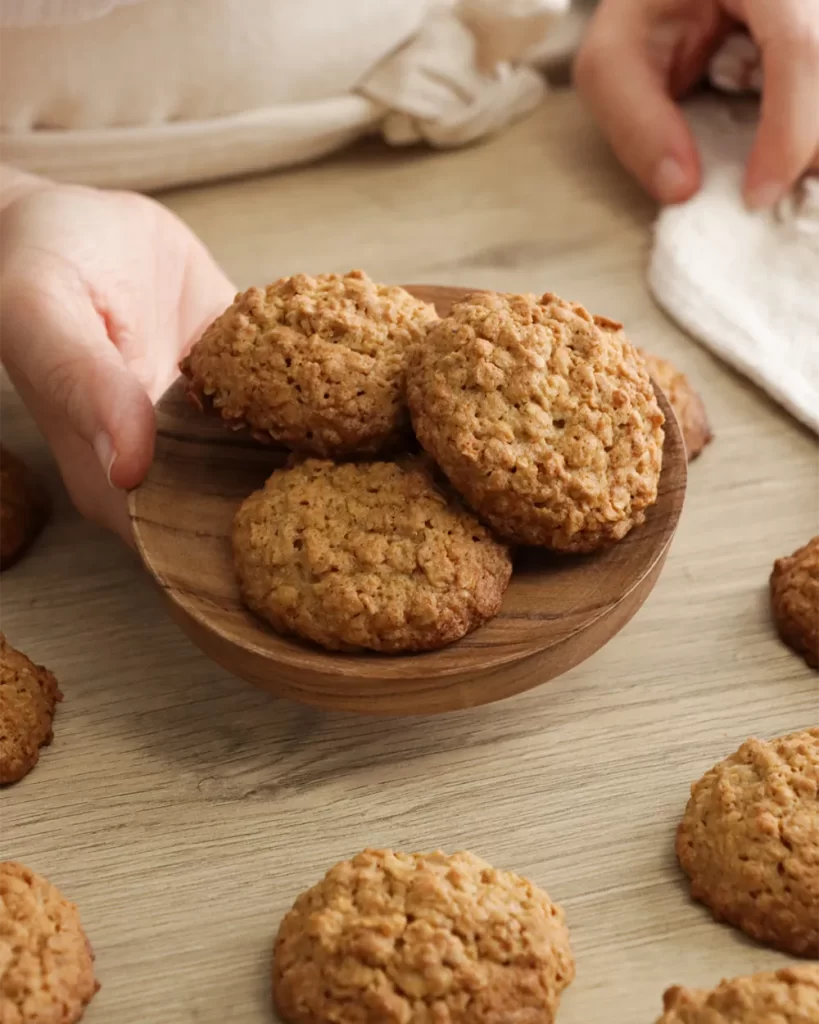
(795,600)
(788,996)
(542,416)
(366,555)
(46,962)
(23,508)
(28,699)
(317,363)
(684,400)
(749,841)
(396,938)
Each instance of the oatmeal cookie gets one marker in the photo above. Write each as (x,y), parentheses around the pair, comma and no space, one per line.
(795,600)
(788,996)
(46,962)
(28,699)
(684,400)
(542,416)
(23,508)
(366,555)
(396,938)
(749,841)
(316,363)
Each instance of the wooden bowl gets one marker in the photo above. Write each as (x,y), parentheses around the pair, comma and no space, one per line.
(557,610)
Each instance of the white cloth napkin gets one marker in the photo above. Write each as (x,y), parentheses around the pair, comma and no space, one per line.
(744,284)
(289,87)
(461,77)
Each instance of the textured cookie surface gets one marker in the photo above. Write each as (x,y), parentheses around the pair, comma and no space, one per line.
(394,938)
(684,400)
(366,555)
(317,363)
(749,841)
(788,996)
(23,508)
(46,963)
(28,698)
(795,600)
(542,416)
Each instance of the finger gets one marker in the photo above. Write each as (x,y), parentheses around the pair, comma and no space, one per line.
(648,133)
(787,139)
(58,352)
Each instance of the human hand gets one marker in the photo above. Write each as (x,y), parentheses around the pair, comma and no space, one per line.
(100,295)
(639,56)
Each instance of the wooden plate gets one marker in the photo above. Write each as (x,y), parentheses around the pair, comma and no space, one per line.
(557,611)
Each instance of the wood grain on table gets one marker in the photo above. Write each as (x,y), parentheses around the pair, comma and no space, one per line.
(184,810)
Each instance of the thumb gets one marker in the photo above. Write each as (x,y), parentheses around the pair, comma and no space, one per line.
(60,357)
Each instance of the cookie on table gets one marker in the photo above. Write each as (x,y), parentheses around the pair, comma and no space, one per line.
(684,400)
(366,555)
(316,363)
(396,938)
(543,417)
(46,961)
(749,841)
(28,699)
(23,508)
(795,600)
(787,996)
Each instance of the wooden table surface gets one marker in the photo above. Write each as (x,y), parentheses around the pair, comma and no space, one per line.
(184,810)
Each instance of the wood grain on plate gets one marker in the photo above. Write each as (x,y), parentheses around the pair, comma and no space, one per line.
(556,612)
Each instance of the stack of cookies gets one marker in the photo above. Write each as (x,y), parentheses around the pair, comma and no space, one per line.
(538,425)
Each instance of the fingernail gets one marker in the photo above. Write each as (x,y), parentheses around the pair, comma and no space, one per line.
(760,197)
(104,448)
(670,181)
